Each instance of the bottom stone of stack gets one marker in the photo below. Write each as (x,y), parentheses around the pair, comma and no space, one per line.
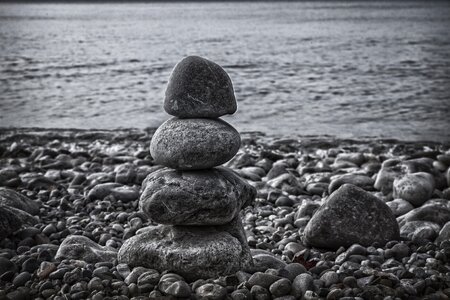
(193,252)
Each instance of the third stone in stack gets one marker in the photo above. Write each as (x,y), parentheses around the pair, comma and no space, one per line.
(197,202)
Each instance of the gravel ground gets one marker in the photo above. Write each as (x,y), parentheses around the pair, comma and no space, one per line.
(61,171)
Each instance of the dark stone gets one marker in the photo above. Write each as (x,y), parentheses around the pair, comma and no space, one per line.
(14,199)
(191,251)
(12,219)
(210,291)
(6,265)
(199,88)
(362,181)
(351,216)
(193,144)
(82,248)
(206,197)
(262,279)
(21,279)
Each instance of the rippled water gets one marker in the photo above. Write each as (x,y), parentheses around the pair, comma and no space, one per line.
(346,69)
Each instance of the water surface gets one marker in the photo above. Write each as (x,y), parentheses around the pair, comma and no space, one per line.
(299,68)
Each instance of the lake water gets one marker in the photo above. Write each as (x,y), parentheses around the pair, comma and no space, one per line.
(348,69)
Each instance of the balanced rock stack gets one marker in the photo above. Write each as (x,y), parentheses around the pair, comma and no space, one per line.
(196,203)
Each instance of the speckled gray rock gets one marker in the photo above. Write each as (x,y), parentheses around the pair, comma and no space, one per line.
(420,230)
(399,207)
(204,197)
(444,234)
(14,199)
(362,181)
(12,219)
(191,251)
(415,188)
(435,210)
(351,216)
(83,248)
(192,144)
(199,88)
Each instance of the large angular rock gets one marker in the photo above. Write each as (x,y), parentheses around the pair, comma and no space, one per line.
(205,197)
(415,188)
(199,88)
(351,216)
(12,198)
(12,219)
(192,144)
(82,248)
(192,251)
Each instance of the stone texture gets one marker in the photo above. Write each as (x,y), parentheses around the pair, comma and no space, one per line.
(415,188)
(435,210)
(14,199)
(82,248)
(192,251)
(362,181)
(351,216)
(199,88)
(12,219)
(192,144)
(205,197)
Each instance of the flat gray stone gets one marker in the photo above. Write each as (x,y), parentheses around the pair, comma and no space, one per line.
(14,199)
(204,197)
(82,248)
(194,252)
(199,88)
(351,216)
(192,144)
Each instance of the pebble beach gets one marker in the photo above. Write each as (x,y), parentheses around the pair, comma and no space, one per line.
(82,186)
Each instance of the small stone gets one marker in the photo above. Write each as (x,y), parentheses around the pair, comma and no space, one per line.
(133,276)
(21,279)
(83,248)
(173,284)
(280,287)
(30,265)
(356,158)
(294,270)
(241,294)
(199,88)
(351,216)
(210,291)
(362,181)
(415,188)
(419,230)
(400,207)
(301,284)
(206,197)
(6,265)
(259,293)
(330,278)
(265,260)
(193,144)
(262,279)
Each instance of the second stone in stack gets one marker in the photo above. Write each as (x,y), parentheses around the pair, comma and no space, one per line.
(197,202)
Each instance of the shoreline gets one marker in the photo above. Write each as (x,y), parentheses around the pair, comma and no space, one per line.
(9,133)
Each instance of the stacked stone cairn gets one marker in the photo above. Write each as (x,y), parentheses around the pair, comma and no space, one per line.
(196,202)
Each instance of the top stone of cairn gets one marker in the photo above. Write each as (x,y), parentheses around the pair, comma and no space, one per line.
(199,88)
